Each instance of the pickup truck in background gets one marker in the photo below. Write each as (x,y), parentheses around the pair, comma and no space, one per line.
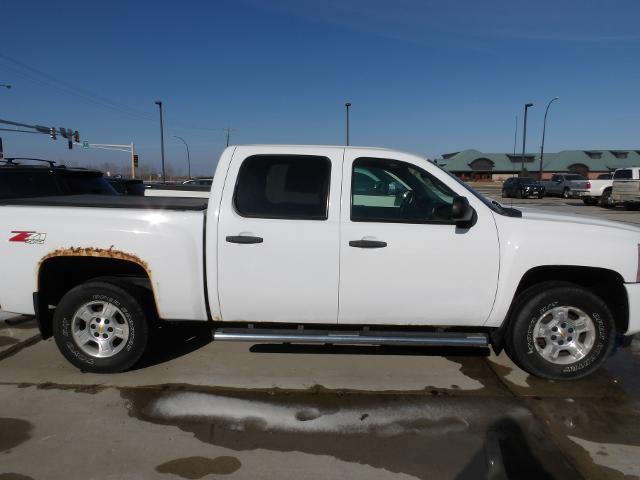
(598,191)
(626,187)
(566,185)
(322,245)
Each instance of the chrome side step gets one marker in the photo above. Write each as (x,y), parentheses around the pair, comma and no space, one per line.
(361,337)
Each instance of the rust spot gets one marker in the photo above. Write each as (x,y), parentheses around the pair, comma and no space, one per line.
(101,253)
(96,252)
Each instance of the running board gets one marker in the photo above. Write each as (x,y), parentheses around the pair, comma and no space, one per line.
(363,337)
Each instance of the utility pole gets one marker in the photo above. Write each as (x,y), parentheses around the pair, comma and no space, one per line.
(347,106)
(164,177)
(524,135)
(188,158)
(228,133)
(544,128)
(515,137)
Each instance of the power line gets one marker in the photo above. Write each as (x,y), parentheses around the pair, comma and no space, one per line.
(87,96)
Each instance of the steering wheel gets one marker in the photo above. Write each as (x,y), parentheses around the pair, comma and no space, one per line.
(409,201)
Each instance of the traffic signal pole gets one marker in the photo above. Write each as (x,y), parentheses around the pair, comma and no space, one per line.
(133,164)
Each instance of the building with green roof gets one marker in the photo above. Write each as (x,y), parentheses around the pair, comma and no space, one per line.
(472,165)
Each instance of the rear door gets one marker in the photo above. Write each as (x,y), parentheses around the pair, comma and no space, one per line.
(402,259)
(278,235)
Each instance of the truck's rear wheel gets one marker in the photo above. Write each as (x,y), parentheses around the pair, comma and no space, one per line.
(560,332)
(100,327)
(605,199)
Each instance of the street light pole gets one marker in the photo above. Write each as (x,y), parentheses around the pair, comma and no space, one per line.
(347,105)
(544,128)
(164,177)
(188,158)
(524,135)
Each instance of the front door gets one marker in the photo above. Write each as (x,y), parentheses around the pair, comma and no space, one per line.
(278,236)
(402,260)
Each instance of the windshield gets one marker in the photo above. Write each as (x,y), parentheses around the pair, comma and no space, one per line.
(492,204)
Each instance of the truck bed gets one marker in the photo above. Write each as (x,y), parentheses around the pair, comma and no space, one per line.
(112,201)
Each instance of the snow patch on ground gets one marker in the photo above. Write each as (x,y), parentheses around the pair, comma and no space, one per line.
(380,419)
(623,458)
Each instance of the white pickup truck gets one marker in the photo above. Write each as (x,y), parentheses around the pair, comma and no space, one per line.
(329,245)
(598,191)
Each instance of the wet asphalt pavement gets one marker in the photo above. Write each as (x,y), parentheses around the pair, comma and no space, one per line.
(197,409)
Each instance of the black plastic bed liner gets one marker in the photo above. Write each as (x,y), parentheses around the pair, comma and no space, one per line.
(112,201)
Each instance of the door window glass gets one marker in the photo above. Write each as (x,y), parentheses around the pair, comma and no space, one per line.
(283,186)
(384,190)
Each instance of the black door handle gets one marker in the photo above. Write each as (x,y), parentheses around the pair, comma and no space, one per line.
(367,244)
(244,239)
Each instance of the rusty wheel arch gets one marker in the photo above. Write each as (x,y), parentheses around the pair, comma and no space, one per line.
(65,268)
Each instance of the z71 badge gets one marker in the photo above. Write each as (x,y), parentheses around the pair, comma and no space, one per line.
(28,237)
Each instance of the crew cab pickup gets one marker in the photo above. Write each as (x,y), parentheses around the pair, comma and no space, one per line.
(626,187)
(328,245)
(598,191)
(566,185)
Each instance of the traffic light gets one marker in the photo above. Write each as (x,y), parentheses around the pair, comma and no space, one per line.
(76,136)
(135,161)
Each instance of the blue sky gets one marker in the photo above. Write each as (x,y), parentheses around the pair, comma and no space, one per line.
(425,76)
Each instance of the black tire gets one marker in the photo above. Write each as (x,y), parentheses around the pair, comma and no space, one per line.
(605,199)
(131,315)
(541,195)
(532,305)
(565,193)
(518,194)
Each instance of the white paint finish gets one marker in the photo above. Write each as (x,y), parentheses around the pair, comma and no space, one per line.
(428,274)
(169,242)
(633,294)
(293,275)
(541,238)
(622,458)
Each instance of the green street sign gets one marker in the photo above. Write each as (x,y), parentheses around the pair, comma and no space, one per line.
(85,144)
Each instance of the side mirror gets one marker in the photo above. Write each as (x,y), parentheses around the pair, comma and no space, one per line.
(462,213)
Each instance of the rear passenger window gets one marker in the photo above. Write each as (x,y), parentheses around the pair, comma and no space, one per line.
(283,186)
(623,175)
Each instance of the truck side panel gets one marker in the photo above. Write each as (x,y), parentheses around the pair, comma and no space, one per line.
(167,244)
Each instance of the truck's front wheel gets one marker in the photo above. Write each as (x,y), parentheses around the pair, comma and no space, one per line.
(560,332)
(100,327)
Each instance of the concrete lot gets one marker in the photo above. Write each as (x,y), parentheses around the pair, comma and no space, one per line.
(197,409)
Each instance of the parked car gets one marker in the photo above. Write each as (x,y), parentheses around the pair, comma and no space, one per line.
(626,187)
(566,185)
(522,187)
(598,191)
(200,181)
(289,247)
(35,177)
(126,186)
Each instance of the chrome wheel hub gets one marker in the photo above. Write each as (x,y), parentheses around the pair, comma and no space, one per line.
(564,335)
(100,329)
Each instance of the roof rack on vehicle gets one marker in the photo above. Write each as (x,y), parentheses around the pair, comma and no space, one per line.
(12,160)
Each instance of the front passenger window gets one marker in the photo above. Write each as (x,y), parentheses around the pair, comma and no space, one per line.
(384,190)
